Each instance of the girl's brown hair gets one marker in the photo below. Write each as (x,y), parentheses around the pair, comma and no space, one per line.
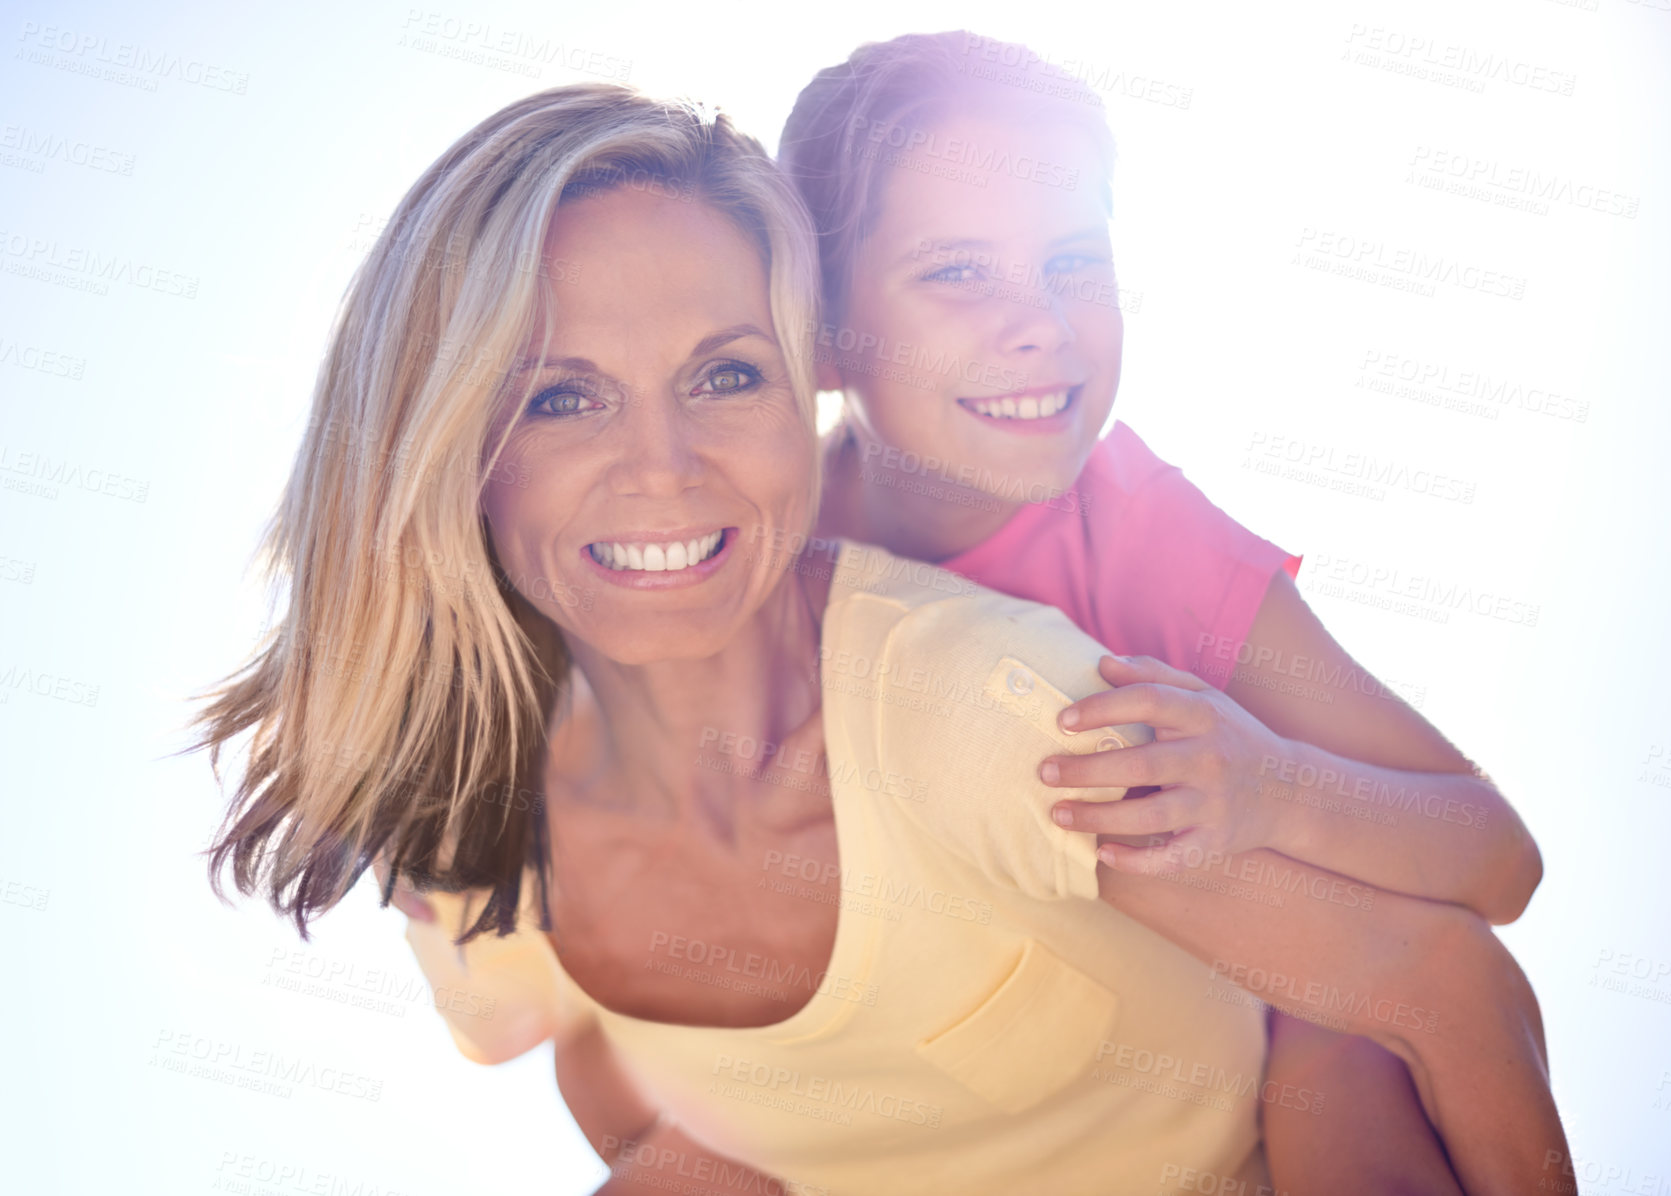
(905,85)
(401,700)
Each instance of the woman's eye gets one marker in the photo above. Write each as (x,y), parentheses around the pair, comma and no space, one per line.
(951,274)
(559,400)
(731,378)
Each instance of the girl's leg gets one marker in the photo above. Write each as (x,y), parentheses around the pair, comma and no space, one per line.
(1341,1114)
(1428,981)
(1484,1073)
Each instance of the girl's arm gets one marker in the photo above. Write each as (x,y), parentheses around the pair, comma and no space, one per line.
(1307,754)
(1428,981)
(1460,840)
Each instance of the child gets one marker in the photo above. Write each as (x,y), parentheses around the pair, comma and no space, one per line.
(972,324)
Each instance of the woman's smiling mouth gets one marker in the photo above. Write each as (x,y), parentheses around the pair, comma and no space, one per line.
(660,555)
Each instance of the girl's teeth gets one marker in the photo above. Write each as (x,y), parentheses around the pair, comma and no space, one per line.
(655,558)
(1042,407)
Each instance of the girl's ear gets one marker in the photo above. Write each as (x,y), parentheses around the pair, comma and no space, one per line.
(828,377)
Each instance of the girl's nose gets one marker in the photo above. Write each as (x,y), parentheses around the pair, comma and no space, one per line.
(1037,320)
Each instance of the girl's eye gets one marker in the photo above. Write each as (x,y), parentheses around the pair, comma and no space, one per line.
(561,400)
(732,377)
(1067,263)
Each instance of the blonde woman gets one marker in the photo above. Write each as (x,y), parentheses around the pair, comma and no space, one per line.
(587,332)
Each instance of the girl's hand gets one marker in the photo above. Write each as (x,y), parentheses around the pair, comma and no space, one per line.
(1205,762)
(405,897)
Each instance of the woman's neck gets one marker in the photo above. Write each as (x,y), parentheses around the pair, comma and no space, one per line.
(654,720)
(878,502)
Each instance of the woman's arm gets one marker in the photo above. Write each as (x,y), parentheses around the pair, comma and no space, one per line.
(624,1128)
(646,1152)
(1307,754)
(603,1100)
(1428,981)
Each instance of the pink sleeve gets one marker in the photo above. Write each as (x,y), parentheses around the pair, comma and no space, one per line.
(1181,580)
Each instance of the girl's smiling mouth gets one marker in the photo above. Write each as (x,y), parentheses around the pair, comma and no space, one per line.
(1037,409)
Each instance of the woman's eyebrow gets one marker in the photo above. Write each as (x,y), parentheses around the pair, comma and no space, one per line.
(577,365)
(585,365)
(725,336)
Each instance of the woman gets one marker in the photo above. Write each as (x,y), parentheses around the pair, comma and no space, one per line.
(626,282)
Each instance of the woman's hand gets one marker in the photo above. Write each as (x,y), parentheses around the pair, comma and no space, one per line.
(405,897)
(1205,761)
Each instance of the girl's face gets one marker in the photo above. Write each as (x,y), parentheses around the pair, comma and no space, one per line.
(662,452)
(985,299)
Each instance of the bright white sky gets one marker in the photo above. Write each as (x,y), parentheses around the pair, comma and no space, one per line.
(258,184)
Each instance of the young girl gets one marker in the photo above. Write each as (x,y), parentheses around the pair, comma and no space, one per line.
(972,324)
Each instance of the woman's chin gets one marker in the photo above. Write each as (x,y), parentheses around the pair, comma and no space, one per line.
(662,640)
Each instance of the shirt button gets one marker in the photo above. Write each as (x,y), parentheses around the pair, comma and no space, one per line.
(1020,682)
(1109,743)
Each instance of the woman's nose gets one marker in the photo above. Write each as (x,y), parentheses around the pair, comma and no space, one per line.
(658,452)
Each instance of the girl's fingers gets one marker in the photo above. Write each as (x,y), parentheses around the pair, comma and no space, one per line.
(1167,763)
(1157,703)
(1151,855)
(1123,670)
(1169,810)
(1144,861)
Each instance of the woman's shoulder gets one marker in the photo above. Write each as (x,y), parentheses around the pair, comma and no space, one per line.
(499,996)
(960,688)
(890,606)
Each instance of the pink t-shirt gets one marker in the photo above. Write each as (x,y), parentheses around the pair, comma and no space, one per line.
(1138,557)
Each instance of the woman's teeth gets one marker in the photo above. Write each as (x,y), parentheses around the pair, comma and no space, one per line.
(1031,407)
(656,558)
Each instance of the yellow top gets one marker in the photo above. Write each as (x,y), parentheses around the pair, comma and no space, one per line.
(985,1024)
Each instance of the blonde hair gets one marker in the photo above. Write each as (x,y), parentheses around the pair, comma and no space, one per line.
(905,84)
(392,570)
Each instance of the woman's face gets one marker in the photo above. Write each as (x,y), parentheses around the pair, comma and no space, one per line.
(662,450)
(987,288)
